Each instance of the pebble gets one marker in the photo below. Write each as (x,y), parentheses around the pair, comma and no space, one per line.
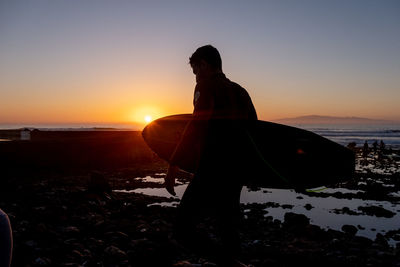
(114,251)
(42,261)
(71,230)
(308,206)
(349,229)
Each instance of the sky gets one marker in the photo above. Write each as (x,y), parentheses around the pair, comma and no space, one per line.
(120,61)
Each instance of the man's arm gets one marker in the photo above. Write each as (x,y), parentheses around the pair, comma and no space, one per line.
(173,169)
(194,131)
(169,180)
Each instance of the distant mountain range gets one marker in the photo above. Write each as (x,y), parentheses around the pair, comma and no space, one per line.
(317,119)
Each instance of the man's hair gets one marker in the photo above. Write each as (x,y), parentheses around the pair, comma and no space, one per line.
(209,54)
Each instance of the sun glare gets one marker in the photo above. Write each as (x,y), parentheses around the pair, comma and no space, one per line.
(145,114)
(148,118)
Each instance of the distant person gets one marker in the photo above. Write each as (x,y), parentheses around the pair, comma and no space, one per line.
(375,146)
(221,109)
(382,146)
(365,149)
(5,240)
(352,145)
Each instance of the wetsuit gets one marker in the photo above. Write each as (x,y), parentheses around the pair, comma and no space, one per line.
(221,111)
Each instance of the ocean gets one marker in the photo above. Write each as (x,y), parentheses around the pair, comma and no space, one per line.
(345,134)
(73,127)
(342,134)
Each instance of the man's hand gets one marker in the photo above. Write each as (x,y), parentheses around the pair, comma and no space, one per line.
(169,180)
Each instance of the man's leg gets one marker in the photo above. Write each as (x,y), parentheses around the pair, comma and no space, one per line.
(228,218)
(186,212)
(198,204)
(192,209)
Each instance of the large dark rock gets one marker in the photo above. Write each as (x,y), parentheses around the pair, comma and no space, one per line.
(296,220)
(349,229)
(377,211)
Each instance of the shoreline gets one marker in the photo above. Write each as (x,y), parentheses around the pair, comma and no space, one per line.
(67,217)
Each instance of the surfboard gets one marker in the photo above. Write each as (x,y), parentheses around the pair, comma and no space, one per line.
(277,156)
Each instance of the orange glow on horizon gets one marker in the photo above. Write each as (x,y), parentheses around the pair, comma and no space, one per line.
(146,114)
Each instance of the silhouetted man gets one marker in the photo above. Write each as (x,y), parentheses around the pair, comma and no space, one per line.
(221,110)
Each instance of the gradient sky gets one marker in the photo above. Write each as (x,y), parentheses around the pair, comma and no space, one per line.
(117,61)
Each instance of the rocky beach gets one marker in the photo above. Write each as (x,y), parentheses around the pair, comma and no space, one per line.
(94,214)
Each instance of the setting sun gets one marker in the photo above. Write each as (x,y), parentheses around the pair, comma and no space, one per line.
(145,114)
(148,118)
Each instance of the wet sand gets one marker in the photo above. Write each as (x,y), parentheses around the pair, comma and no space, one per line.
(72,217)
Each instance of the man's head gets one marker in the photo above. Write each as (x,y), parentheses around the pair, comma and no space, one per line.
(205,61)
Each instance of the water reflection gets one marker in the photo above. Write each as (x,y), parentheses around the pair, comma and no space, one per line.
(159,192)
(320,214)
